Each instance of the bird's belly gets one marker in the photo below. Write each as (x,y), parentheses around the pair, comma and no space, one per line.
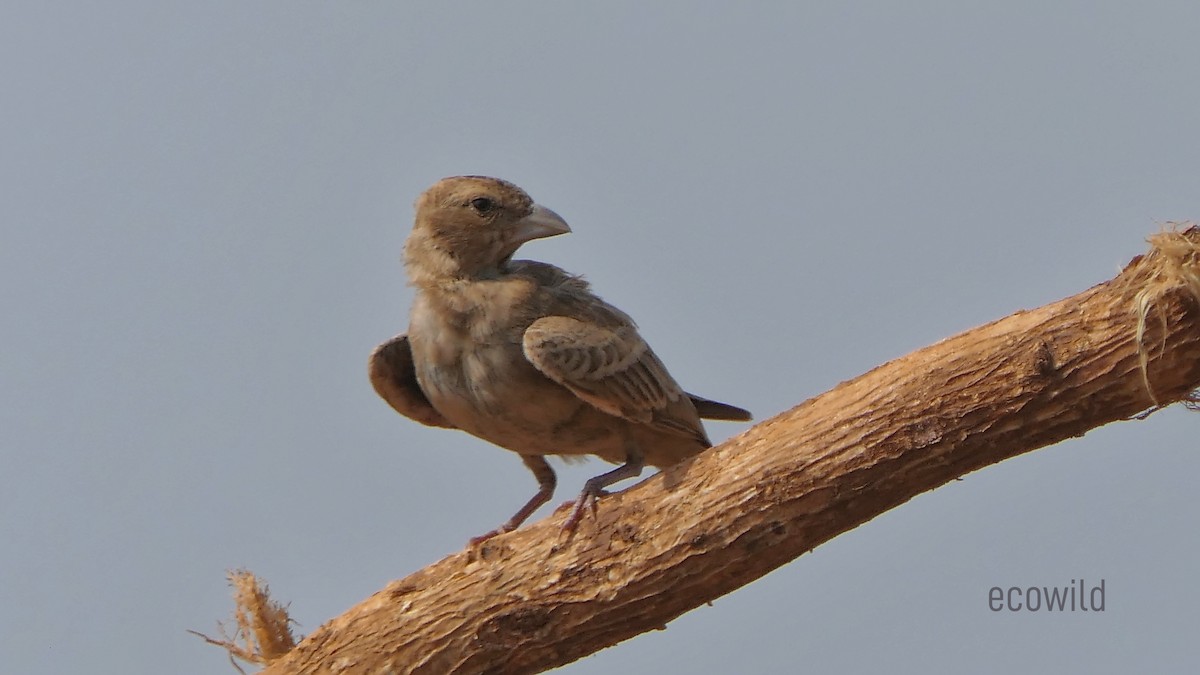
(495,394)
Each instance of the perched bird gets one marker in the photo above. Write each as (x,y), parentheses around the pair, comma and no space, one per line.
(523,354)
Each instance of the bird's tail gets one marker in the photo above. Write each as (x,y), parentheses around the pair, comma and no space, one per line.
(713,410)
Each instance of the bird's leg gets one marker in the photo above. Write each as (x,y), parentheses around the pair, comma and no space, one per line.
(546,483)
(594,487)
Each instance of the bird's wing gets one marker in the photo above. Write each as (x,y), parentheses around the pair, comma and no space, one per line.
(613,369)
(395,379)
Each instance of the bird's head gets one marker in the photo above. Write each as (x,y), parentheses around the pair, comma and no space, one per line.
(470,226)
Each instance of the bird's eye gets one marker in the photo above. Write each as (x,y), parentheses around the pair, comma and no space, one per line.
(482,204)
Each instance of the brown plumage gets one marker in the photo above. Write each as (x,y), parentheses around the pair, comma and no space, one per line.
(522,354)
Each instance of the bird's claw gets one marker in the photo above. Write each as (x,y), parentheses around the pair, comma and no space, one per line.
(587,501)
(475,541)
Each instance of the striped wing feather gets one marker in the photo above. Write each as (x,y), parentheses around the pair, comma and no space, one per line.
(613,369)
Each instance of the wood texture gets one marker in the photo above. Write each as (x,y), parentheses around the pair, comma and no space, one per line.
(531,600)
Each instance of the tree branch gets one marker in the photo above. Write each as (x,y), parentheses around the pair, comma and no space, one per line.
(531,600)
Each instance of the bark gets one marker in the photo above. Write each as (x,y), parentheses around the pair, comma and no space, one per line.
(531,600)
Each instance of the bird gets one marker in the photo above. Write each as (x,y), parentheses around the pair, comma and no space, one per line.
(524,355)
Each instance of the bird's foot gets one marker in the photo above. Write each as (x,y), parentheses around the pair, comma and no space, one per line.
(503,529)
(586,502)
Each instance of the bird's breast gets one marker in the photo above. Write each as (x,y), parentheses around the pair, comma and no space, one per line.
(468,356)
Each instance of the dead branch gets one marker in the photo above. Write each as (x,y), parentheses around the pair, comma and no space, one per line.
(529,601)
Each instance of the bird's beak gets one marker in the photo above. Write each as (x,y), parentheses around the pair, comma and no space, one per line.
(541,223)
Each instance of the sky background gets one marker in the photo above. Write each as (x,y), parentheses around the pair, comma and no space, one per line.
(203,210)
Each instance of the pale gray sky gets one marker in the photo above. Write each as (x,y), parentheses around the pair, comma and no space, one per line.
(203,214)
